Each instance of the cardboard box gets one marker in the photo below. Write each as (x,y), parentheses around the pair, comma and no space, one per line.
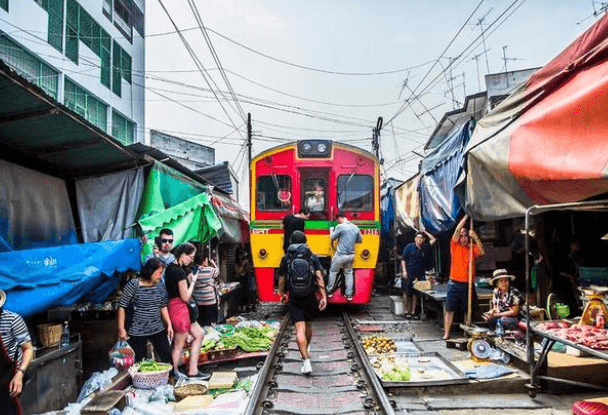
(423,285)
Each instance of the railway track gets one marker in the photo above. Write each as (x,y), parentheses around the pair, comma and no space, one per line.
(342,381)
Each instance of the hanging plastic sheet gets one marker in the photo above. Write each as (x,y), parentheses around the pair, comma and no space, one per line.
(438,177)
(38,279)
(107,204)
(35,210)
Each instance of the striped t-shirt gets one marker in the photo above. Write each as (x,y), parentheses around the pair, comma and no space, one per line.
(205,287)
(147,319)
(14,334)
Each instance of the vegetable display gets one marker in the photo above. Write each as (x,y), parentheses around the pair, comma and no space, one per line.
(378,345)
(147,366)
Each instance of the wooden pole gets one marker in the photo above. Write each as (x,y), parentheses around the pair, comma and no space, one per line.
(470,302)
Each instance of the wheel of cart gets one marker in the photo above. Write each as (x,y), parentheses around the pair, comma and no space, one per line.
(533,389)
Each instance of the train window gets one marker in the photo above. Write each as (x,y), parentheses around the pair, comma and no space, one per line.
(273,192)
(355,192)
(314,195)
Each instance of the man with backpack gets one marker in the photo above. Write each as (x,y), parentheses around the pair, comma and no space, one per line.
(300,274)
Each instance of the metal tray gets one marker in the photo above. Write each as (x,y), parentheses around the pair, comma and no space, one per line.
(426,368)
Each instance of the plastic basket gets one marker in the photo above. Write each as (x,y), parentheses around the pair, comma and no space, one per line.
(593,276)
(149,380)
(49,334)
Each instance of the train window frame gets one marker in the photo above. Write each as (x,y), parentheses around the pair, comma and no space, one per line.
(281,195)
(349,178)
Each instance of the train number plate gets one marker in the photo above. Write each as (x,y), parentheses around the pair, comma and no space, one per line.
(260,231)
(371,232)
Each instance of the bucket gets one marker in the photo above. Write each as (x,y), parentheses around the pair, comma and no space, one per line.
(397,306)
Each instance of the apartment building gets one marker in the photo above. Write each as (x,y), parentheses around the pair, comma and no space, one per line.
(86,54)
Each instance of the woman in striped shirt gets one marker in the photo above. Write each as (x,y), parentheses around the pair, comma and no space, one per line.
(205,289)
(150,316)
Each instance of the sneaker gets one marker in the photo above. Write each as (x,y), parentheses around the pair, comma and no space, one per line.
(306,367)
(349,298)
(177,375)
(200,375)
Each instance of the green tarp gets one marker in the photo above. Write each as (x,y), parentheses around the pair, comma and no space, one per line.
(172,200)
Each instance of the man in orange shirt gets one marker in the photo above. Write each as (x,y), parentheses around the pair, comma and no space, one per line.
(458,286)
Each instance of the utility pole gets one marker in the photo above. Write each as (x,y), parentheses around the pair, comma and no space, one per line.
(250,148)
(376,137)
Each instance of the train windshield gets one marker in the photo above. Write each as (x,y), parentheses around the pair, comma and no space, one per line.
(273,192)
(355,192)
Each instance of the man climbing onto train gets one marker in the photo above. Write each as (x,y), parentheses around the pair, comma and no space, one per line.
(300,274)
(293,223)
(348,235)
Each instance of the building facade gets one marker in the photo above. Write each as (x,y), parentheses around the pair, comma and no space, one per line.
(86,54)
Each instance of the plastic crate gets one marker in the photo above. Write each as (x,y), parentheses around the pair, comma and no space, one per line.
(593,276)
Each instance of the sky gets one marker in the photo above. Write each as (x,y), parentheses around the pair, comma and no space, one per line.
(329,69)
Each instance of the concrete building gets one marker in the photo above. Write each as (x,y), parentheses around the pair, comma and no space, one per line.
(86,54)
(192,155)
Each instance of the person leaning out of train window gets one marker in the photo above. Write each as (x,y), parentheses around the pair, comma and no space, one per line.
(506,302)
(315,199)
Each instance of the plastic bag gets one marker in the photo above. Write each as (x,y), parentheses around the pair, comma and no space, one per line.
(212,335)
(121,355)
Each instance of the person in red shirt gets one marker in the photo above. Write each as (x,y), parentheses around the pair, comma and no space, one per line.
(458,286)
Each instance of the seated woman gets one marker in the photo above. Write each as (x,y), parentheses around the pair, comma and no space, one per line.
(506,302)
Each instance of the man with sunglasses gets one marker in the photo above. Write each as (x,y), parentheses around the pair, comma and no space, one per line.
(164,242)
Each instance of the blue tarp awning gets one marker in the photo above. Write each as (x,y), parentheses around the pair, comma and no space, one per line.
(439,174)
(38,279)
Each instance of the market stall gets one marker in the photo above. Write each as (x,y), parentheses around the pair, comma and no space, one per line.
(586,333)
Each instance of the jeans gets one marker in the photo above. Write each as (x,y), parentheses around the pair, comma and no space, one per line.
(345,262)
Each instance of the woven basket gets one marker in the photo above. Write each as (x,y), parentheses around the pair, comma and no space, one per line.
(49,334)
(222,380)
(149,380)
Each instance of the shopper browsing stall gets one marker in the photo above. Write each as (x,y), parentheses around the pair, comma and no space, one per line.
(146,302)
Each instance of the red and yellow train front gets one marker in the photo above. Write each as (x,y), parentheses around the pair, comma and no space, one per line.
(325,177)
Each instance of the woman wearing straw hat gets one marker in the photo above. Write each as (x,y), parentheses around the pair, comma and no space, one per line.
(506,302)
(15,355)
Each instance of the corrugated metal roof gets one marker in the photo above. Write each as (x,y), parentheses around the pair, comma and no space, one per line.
(39,133)
(219,175)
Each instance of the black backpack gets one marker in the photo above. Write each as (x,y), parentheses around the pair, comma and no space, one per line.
(300,271)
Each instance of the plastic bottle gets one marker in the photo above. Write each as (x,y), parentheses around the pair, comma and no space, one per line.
(65,335)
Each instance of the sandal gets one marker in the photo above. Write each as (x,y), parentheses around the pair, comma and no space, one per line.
(408,316)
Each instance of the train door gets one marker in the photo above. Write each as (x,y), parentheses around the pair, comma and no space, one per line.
(315,193)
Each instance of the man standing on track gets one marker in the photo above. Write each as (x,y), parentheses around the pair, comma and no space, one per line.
(301,274)
(413,261)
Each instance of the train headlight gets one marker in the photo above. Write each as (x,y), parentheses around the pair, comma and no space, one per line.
(365,254)
(263,253)
(321,148)
(306,148)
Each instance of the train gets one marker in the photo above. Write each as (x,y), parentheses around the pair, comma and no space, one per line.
(326,177)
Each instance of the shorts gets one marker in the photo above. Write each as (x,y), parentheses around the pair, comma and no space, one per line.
(179,315)
(303,309)
(458,296)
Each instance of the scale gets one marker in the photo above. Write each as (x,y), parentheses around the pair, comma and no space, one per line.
(595,312)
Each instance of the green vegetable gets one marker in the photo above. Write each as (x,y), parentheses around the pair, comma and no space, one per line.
(152,366)
(398,375)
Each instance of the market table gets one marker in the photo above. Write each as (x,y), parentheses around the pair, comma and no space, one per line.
(538,366)
(439,294)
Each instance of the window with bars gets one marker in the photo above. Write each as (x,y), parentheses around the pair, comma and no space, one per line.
(29,66)
(54,8)
(121,68)
(123,129)
(85,104)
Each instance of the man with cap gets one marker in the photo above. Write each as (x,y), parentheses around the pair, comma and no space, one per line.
(506,302)
(15,356)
